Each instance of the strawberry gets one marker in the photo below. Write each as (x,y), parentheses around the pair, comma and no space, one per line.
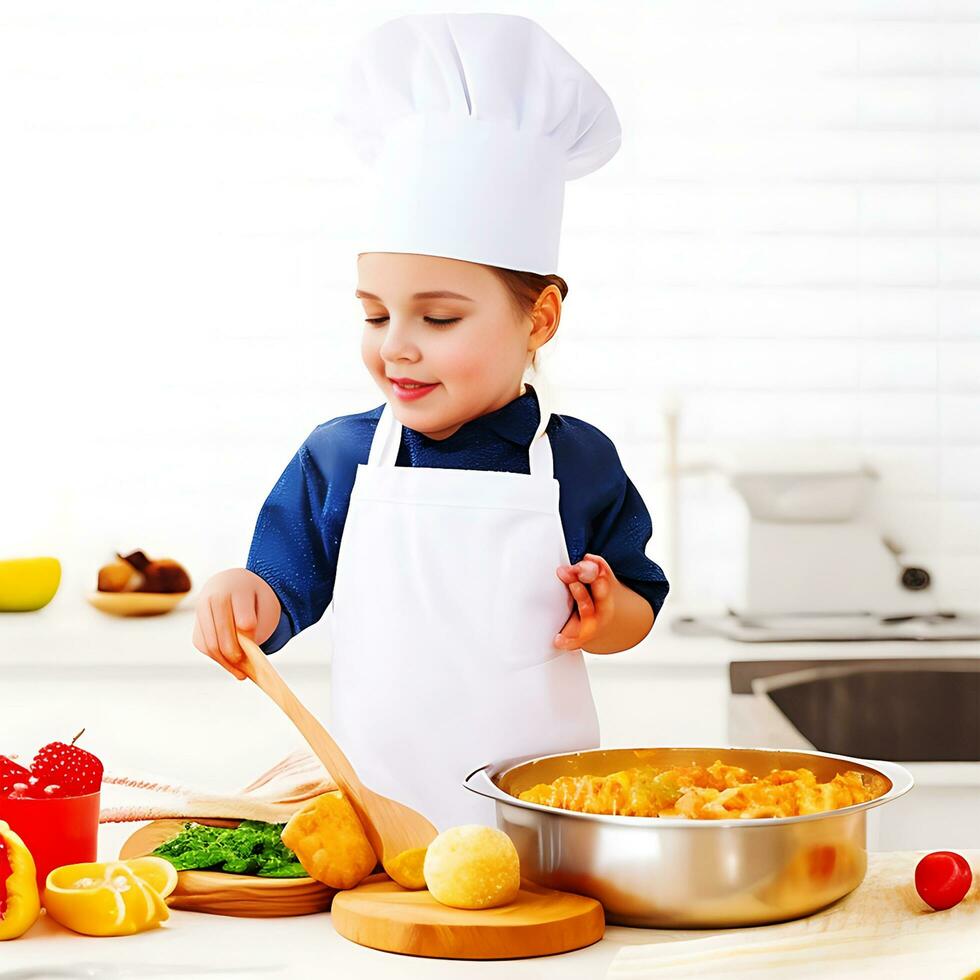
(10,773)
(40,790)
(73,770)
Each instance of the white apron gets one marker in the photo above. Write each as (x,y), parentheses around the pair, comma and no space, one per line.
(445,605)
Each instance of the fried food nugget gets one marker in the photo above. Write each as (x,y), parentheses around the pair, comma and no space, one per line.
(329,841)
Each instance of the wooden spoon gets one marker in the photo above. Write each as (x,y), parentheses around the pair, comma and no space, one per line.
(392,828)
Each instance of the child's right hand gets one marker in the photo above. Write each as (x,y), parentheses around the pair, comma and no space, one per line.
(233,600)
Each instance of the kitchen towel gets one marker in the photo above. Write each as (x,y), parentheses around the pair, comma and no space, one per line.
(273,796)
(882,929)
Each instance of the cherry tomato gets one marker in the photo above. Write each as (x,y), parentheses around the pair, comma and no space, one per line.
(942,878)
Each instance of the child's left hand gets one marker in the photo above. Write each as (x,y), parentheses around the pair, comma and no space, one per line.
(591,583)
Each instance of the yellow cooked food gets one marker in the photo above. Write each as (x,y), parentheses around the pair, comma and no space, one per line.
(406,868)
(472,867)
(329,841)
(702,792)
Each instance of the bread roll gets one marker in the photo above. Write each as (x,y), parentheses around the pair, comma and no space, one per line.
(472,867)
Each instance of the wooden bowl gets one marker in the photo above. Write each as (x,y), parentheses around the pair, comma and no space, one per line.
(222,893)
(135,603)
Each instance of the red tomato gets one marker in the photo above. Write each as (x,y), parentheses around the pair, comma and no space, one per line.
(942,879)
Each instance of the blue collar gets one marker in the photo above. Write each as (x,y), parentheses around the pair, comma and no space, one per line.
(516,421)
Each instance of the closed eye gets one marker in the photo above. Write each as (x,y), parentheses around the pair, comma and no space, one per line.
(428,319)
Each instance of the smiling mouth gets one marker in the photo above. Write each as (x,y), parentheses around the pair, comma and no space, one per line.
(410,385)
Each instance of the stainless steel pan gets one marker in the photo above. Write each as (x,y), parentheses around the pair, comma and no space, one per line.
(676,873)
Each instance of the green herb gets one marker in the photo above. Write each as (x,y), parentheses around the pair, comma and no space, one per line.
(252,848)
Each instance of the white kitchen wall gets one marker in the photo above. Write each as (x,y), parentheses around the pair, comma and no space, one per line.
(787,247)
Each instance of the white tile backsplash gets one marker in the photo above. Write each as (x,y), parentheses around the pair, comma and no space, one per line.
(899,416)
(898,208)
(959,205)
(959,259)
(907,364)
(959,418)
(957,154)
(959,313)
(733,416)
(959,528)
(960,473)
(959,365)
(900,49)
(959,42)
(900,312)
(752,364)
(898,261)
(830,209)
(786,247)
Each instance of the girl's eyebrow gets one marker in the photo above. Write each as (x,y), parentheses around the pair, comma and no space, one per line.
(432,294)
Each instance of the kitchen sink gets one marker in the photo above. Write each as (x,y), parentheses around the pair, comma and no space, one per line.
(908,713)
(922,713)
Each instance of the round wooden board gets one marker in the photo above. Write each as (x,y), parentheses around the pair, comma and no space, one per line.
(228,894)
(380,914)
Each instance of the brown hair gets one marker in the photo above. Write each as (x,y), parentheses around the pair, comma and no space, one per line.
(526,287)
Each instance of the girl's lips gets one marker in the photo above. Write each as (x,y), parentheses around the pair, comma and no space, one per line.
(411,393)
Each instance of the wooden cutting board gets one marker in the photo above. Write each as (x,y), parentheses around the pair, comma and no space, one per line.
(540,921)
(229,894)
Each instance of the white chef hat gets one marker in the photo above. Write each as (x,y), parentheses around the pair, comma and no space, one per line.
(468,126)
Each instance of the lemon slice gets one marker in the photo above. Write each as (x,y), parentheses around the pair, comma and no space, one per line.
(157,872)
(103,899)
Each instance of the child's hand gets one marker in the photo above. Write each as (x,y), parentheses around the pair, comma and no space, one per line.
(236,599)
(591,584)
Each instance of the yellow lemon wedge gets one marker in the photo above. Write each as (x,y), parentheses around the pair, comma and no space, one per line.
(106,898)
(157,872)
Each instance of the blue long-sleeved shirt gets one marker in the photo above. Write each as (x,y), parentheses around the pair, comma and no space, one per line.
(299,529)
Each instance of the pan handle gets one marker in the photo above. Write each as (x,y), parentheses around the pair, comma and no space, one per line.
(479,782)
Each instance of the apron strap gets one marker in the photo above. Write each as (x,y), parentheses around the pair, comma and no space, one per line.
(388,437)
(540,458)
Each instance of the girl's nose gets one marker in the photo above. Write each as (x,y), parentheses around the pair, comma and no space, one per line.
(398,343)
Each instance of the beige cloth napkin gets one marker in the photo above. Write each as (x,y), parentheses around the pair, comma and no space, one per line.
(273,796)
(882,929)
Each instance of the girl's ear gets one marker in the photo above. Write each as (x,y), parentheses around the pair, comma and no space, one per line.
(545,317)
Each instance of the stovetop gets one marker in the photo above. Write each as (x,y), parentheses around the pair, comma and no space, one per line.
(831,627)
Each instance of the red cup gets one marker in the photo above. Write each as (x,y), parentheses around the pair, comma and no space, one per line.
(57,831)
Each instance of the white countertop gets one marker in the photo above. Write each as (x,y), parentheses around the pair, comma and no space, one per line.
(178,715)
(299,947)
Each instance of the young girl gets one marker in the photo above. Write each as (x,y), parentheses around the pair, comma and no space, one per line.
(471,542)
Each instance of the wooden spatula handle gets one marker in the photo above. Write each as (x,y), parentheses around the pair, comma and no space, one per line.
(327,751)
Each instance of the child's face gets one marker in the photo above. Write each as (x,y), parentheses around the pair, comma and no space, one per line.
(475,363)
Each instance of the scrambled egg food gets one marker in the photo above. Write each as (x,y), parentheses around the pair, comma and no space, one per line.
(702,792)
